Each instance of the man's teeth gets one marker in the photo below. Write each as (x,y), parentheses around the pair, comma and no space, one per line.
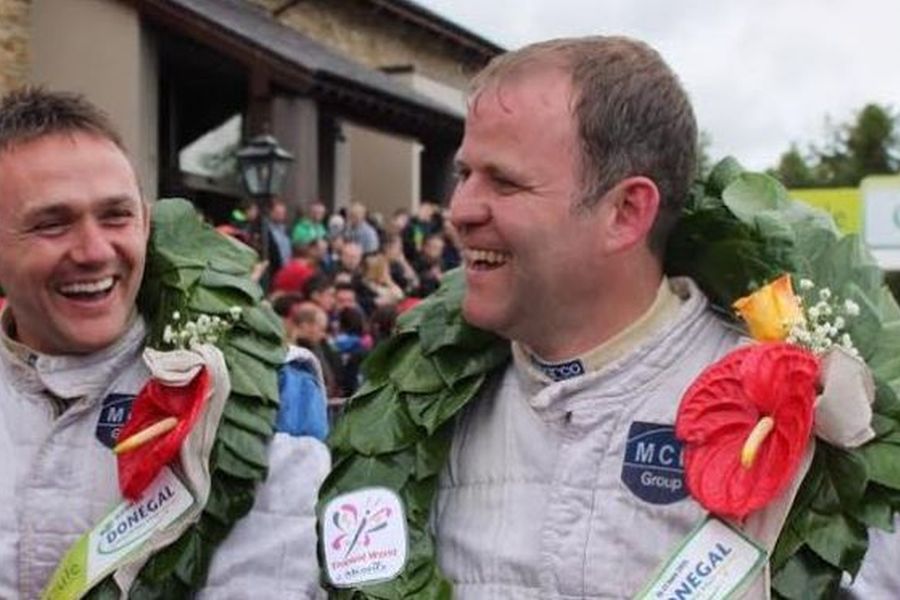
(88,287)
(490,257)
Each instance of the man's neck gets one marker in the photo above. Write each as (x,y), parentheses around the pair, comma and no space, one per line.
(598,318)
(663,311)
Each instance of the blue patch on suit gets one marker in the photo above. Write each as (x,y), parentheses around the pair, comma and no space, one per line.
(653,468)
(113,414)
(560,371)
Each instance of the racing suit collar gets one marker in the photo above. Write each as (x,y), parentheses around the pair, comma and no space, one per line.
(67,376)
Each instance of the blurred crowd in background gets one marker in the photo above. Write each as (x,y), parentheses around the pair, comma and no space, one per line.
(340,280)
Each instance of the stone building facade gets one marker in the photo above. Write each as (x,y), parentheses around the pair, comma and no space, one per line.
(14,20)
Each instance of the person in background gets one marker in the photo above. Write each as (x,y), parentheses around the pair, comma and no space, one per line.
(382,321)
(320,289)
(401,271)
(417,229)
(350,260)
(345,296)
(352,343)
(279,240)
(359,230)
(376,287)
(311,225)
(399,221)
(309,326)
(293,275)
(430,264)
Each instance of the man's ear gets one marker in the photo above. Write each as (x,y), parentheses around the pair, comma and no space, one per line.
(632,207)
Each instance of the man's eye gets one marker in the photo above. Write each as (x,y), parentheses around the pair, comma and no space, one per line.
(49,228)
(506,186)
(118,217)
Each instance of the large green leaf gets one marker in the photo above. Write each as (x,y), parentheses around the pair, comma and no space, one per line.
(215,301)
(416,373)
(184,236)
(752,193)
(259,347)
(217,279)
(882,463)
(418,497)
(262,320)
(840,541)
(250,414)
(806,576)
(381,424)
(234,465)
(722,175)
(433,412)
(249,446)
(250,376)
(431,452)
(386,470)
(229,499)
(877,510)
(845,472)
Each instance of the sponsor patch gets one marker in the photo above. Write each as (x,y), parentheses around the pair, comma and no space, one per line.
(560,371)
(653,468)
(113,415)
(118,537)
(714,561)
(364,534)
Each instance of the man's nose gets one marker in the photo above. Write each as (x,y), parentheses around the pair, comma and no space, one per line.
(93,244)
(468,206)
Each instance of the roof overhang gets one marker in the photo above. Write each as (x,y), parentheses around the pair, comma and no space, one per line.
(250,36)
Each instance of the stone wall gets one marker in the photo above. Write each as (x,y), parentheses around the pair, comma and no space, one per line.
(377,38)
(14,23)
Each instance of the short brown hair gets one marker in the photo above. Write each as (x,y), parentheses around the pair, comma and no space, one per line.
(32,112)
(633,117)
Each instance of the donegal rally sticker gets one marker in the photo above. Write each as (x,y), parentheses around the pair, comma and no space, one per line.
(118,537)
(715,562)
(364,534)
(653,468)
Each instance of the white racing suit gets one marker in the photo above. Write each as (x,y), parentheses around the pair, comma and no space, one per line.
(575,489)
(59,418)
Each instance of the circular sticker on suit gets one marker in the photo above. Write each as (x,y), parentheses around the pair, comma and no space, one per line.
(653,468)
(364,537)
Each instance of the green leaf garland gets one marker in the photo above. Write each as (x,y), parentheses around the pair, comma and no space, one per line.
(192,269)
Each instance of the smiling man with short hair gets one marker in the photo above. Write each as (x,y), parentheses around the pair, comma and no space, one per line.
(74,231)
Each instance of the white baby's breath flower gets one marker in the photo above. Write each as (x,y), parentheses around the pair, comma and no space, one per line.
(235,312)
(826,320)
(205,329)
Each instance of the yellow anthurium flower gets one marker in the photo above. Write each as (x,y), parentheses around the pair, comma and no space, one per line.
(771,311)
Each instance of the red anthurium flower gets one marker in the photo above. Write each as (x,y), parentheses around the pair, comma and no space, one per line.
(172,410)
(745,423)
